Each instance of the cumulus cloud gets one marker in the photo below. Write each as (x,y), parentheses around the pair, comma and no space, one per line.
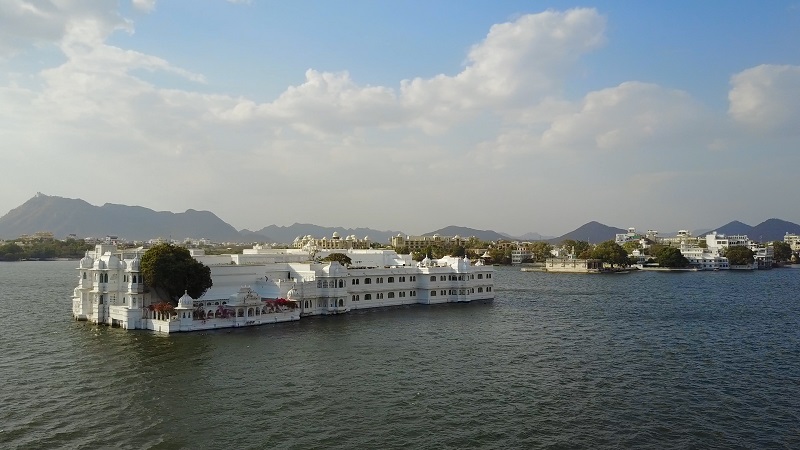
(26,23)
(766,97)
(518,63)
(503,117)
(626,117)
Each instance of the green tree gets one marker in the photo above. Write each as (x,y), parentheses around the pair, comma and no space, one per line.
(341,258)
(781,251)
(458,251)
(541,250)
(500,255)
(630,246)
(739,256)
(582,249)
(610,252)
(671,257)
(170,271)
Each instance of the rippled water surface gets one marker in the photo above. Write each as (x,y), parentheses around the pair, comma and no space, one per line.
(644,360)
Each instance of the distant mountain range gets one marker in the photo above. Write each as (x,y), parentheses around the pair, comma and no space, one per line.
(65,216)
(767,231)
(484,235)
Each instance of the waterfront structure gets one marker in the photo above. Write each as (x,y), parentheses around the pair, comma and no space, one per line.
(793,240)
(630,236)
(763,254)
(419,243)
(335,242)
(704,258)
(264,285)
(571,264)
(682,237)
(521,254)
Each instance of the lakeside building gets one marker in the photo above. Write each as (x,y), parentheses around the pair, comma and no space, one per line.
(710,256)
(520,254)
(334,243)
(633,236)
(572,265)
(682,237)
(793,240)
(263,285)
(763,254)
(704,258)
(418,243)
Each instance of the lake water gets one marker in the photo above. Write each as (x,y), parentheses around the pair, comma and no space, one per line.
(643,360)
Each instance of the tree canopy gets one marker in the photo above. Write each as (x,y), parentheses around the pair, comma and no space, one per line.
(170,270)
(540,250)
(610,252)
(739,256)
(582,248)
(43,249)
(630,246)
(671,257)
(341,258)
(782,251)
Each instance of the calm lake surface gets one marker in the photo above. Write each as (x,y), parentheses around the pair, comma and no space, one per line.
(643,360)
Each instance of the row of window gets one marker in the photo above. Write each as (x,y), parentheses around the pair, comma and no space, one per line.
(103,278)
(325,283)
(379,295)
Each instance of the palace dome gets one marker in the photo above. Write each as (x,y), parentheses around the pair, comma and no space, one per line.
(86,262)
(185,302)
(113,262)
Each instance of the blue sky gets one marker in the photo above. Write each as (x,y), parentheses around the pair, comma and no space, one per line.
(516,116)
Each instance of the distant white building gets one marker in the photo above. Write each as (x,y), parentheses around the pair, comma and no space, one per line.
(793,240)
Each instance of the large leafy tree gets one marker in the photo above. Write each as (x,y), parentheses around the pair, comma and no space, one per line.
(582,248)
(341,258)
(610,252)
(630,246)
(540,250)
(782,251)
(739,256)
(170,270)
(671,257)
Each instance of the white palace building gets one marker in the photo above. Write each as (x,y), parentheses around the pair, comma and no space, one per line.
(264,285)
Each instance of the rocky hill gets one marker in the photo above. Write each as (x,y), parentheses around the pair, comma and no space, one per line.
(767,231)
(594,232)
(65,216)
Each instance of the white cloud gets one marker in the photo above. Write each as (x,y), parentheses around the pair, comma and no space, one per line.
(145,5)
(502,121)
(517,64)
(767,98)
(627,117)
(26,23)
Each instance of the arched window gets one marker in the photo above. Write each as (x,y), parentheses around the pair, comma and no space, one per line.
(341,283)
(341,302)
